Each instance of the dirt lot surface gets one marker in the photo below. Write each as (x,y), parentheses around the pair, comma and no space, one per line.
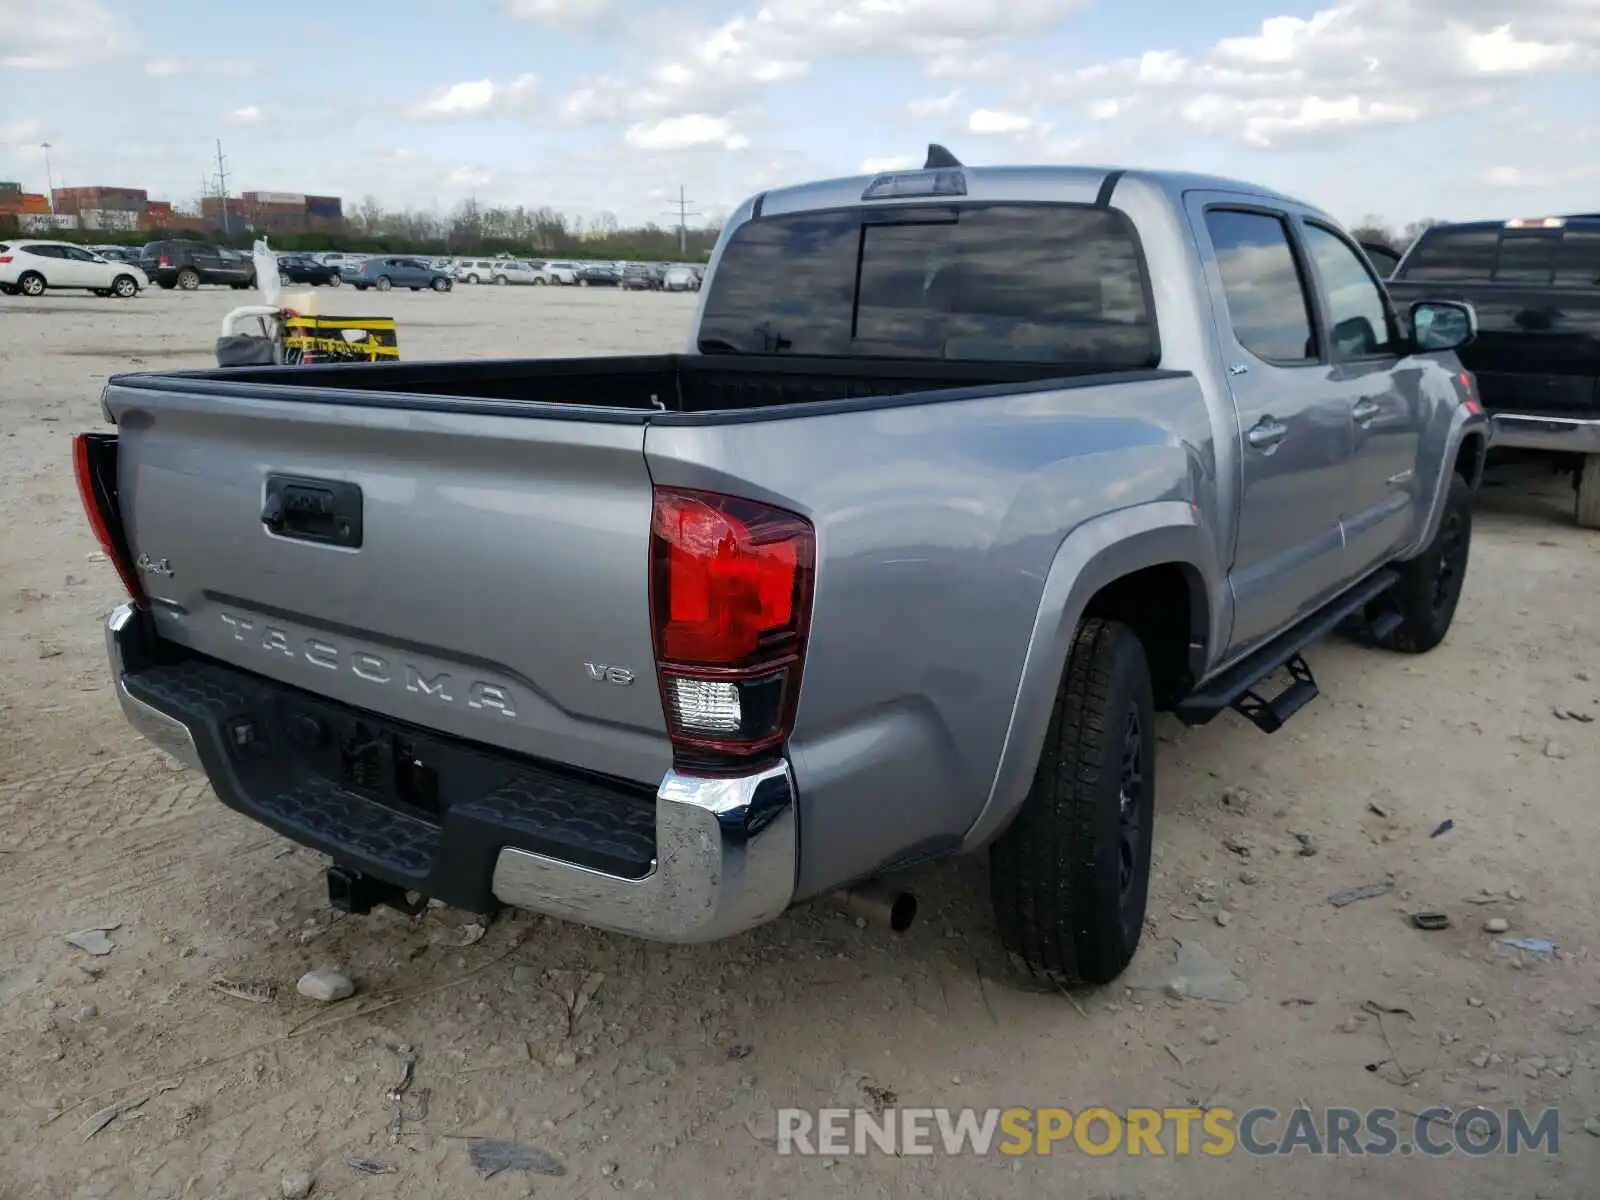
(131,1074)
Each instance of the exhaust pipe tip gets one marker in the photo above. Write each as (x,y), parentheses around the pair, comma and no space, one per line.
(879,904)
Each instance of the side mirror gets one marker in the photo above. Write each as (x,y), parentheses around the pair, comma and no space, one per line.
(1443,324)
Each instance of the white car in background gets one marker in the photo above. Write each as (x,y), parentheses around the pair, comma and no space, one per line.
(32,267)
(564,273)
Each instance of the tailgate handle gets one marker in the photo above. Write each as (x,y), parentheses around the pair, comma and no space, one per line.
(326,511)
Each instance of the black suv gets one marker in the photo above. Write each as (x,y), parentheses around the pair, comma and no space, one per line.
(643,277)
(186,265)
(1535,283)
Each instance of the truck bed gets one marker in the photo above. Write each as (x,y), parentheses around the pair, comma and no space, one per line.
(676,383)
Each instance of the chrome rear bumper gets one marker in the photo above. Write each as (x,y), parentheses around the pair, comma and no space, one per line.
(1567,435)
(727,848)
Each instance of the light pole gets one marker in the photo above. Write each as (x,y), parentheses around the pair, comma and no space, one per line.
(49,178)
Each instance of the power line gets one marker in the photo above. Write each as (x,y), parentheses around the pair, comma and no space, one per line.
(684,212)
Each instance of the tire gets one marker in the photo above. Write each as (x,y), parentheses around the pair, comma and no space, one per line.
(1588,502)
(583,283)
(188,279)
(501,281)
(8,289)
(1070,877)
(473,279)
(334,281)
(441,285)
(537,281)
(166,285)
(361,287)
(124,287)
(31,284)
(1430,584)
(383,283)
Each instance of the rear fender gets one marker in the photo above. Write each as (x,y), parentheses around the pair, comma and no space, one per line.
(1095,554)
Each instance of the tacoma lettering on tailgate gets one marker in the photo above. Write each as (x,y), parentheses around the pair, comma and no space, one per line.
(440,686)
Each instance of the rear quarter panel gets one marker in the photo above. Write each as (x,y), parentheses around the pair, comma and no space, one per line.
(937,527)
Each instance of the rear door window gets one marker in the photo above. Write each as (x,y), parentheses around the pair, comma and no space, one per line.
(1046,283)
(1464,255)
(1578,260)
(1267,304)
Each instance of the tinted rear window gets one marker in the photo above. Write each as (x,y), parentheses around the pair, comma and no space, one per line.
(1462,255)
(1567,257)
(982,282)
(1578,260)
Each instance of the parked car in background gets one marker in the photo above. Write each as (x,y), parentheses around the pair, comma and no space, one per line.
(599,275)
(680,279)
(391,271)
(642,277)
(478,270)
(31,267)
(302,268)
(565,273)
(124,254)
(1535,284)
(180,263)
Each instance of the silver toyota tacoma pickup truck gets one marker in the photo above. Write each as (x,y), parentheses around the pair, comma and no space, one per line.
(966,475)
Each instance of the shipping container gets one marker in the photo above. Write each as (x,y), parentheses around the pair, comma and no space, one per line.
(296,199)
(7,186)
(47,222)
(325,207)
(35,203)
(113,220)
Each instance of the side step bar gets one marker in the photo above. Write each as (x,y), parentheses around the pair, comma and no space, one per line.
(1236,687)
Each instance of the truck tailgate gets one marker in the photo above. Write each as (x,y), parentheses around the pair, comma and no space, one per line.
(495,569)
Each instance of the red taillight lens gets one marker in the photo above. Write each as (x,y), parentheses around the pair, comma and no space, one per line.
(731,583)
(4,259)
(165,261)
(94,462)
(1469,392)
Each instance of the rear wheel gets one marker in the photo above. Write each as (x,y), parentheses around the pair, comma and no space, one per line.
(8,289)
(473,279)
(1430,584)
(501,280)
(441,285)
(383,283)
(1070,878)
(124,287)
(31,284)
(334,281)
(188,279)
(538,281)
(1589,492)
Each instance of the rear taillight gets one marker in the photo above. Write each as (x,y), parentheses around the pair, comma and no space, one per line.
(4,259)
(1469,392)
(164,261)
(730,595)
(94,460)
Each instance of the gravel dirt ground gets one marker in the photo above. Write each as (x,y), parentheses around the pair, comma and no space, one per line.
(131,1074)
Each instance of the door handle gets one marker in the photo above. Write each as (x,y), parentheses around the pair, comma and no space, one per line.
(1366,411)
(1266,433)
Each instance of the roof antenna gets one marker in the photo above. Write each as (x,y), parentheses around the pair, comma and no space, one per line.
(939,157)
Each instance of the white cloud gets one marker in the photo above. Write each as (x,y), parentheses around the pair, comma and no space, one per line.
(1356,64)
(992,122)
(684,133)
(470,178)
(558,12)
(475,98)
(890,162)
(717,67)
(250,114)
(166,67)
(935,106)
(54,35)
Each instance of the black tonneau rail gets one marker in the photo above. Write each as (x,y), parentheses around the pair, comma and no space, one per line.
(670,388)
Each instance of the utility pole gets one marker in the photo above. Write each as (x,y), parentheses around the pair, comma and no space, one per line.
(49,176)
(684,213)
(222,189)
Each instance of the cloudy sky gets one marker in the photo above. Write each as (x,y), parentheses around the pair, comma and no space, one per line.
(1405,108)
